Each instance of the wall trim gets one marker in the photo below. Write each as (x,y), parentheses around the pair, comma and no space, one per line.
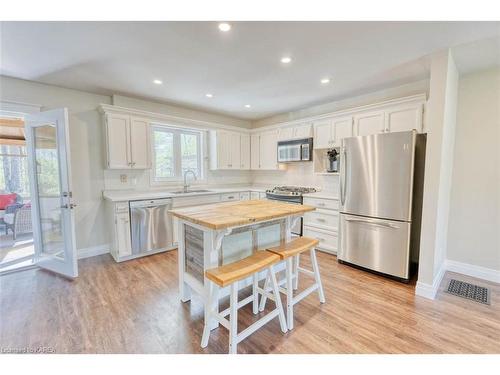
(92,251)
(429,291)
(472,270)
(18,108)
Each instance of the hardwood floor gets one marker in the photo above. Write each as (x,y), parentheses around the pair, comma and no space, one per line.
(134,307)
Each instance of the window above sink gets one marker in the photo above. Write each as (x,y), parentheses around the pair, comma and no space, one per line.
(174,151)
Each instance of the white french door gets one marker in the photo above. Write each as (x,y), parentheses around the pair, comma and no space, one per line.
(47,141)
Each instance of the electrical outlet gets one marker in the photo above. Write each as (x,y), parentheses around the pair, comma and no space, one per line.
(123,178)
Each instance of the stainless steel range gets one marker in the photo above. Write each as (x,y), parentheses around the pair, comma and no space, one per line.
(290,194)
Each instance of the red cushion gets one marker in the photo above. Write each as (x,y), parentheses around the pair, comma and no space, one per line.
(7,200)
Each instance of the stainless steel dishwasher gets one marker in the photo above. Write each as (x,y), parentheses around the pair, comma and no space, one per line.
(151,225)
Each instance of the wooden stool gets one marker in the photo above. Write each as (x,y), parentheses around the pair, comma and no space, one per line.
(230,274)
(287,252)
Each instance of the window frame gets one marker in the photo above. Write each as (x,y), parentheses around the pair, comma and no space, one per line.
(177,155)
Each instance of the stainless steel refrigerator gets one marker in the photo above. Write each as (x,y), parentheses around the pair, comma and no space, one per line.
(381,184)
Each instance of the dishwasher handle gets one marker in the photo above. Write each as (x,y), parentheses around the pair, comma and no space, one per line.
(151,203)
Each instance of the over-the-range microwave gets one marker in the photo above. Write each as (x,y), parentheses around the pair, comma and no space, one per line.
(295,150)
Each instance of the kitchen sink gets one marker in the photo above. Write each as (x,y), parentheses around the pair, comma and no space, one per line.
(191,191)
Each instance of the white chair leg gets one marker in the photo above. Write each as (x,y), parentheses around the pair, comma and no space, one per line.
(263,299)
(289,292)
(277,300)
(296,272)
(233,319)
(255,304)
(317,276)
(208,309)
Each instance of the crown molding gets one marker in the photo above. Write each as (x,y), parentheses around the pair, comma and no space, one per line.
(170,119)
(417,98)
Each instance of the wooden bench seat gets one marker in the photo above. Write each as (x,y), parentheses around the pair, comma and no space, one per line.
(229,273)
(294,247)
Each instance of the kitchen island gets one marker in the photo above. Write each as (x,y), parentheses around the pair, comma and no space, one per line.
(213,235)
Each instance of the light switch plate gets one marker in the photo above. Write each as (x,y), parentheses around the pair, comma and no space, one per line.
(123,178)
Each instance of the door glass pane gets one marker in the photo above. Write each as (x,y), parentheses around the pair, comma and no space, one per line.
(164,154)
(49,190)
(190,153)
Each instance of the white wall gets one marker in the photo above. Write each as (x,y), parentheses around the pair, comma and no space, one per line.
(86,149)
(474,220)
(441,116)
(173,110)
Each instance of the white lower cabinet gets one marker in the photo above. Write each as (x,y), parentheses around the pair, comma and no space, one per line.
(323,223)
(123,239)
(230,197)
(254,195)
(327,239)
(121,244)
(245,196)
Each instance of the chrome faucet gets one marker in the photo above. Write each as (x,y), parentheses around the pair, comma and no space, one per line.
(186,185)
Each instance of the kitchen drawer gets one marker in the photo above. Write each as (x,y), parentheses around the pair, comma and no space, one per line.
(121,207)
(195,200)
(245,196)
(329,204)
(229,197)
(328,241)
(322,218)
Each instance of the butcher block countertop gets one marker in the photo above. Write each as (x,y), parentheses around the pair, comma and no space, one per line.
(232,214)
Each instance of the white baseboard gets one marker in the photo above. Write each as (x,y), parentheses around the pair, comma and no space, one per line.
(92,251)
(479,272)
(430,291)
(483,273)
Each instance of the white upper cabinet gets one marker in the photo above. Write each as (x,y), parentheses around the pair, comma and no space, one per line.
(269,150)
(286,134)
(139,143)
(369,123)
(329,132)
(245,151)
(127,142)
(263,150)
(342,128)
(255,151)
(295,132)
(404,118)
(229,150)
(303,131)
(323,134)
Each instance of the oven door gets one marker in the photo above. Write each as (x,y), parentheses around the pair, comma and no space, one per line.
(297,228)
(289,152)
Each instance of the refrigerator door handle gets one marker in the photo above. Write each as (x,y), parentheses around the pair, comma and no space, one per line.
(379,224)
(343,168)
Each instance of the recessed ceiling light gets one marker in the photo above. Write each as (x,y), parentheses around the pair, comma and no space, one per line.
(157,82)
(247,105)
(224,27)
(208,95)
(325,81)
(286,60)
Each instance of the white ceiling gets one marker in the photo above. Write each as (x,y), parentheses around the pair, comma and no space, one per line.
(239,67)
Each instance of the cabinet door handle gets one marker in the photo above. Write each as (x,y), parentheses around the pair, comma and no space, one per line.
(321,204)
(320,220)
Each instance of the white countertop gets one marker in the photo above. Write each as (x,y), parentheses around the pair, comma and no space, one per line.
(131,195)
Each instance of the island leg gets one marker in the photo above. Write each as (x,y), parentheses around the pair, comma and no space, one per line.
(184,288)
